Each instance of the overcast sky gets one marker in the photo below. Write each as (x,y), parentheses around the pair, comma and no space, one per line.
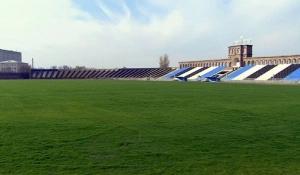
(134,33)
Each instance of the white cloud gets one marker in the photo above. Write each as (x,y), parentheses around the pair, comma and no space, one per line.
(55,32)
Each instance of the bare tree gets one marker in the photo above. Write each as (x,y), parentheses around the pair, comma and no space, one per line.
(53,67)
(80,68)
(65,67)
(164,61)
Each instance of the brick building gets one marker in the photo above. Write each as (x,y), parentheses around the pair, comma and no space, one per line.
(240,55)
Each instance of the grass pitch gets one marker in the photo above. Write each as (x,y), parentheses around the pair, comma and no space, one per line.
(141,127)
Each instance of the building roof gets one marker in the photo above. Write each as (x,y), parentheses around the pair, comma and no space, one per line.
(11,61)
(2,50)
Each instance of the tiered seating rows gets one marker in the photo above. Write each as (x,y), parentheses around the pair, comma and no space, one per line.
(103,73)
(238,72)
(261,71)
(275,70)
(174,73)
(287,71)
(213,72)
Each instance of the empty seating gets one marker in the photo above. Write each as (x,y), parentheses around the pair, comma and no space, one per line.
(237,72)
(173,74)
(287,71)
(186,74)
(249,72)
(212,72)
(205,71)
(269,74)
(184,71)
(294,76)
(194,75)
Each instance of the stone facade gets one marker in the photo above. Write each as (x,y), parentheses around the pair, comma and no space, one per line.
(241,55)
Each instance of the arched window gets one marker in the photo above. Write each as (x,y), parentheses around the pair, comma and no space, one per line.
(225,64)
(266,62)
(270,62)
(257,62)
(275,62)
(279,62)
(248,63)
(229,64)
(289,61)
(283,61)
(294,61)
(262,62)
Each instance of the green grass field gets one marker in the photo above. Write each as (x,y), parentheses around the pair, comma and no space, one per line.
(142,127)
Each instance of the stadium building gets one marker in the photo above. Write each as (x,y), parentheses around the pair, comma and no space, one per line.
(238,66)
(240,55)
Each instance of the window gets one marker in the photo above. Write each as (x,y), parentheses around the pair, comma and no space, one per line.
(270,62)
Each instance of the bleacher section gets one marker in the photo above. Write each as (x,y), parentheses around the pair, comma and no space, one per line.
(294,76)
(212,72)
(172,74)
(248,72)
(182,72)
(284,72)
(269,74)
(196,76)
(189,72)
(237,72)
(135,73)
